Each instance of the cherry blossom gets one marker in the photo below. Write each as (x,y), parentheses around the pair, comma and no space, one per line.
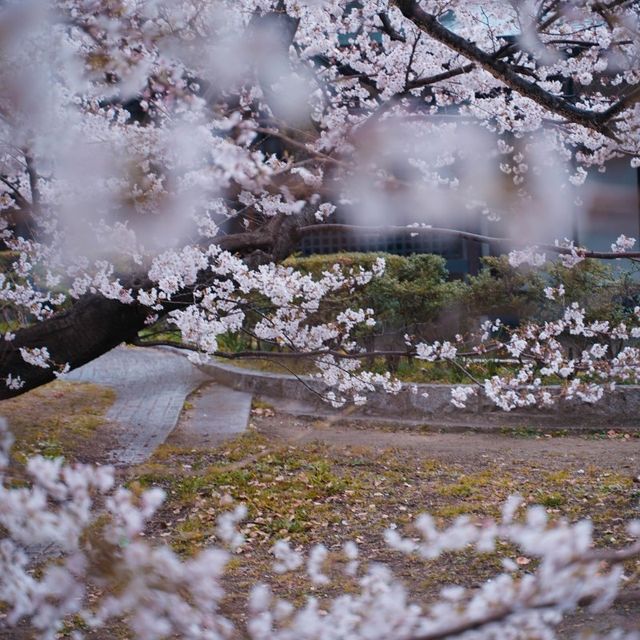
(154,166)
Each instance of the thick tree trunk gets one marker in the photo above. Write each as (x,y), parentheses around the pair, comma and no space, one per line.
(93,326)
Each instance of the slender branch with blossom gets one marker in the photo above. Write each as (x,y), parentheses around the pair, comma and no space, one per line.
(158,162)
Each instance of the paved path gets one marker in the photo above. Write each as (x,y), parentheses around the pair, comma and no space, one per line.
(214,414)
(151,386)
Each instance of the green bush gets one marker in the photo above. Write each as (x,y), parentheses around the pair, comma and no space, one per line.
(501,291)
(416,296)
(414,290)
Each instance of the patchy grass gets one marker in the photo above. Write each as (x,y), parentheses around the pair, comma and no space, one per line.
(259,403)
(307,493)
(59,419)
(312,492)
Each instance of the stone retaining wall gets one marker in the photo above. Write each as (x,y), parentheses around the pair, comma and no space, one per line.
(617,410)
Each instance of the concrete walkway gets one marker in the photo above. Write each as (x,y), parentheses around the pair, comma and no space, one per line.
(151,386)
(214,414)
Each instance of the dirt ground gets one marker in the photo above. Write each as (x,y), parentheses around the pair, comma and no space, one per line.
(614,453)
(319,480)
(329,480)
(621,450)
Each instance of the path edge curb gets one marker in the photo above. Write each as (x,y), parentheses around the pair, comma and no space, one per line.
(618,410)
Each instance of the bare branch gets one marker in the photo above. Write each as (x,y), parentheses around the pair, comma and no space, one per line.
(445,75)
(388,28)
(300,145)
(624,103)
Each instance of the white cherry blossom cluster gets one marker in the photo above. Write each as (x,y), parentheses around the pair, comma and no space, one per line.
(96,566)
(37,356)
(460,395)
(54,516)
(13,382)
(553,293)
(623,244)
(526,256)
(223,306)
(548,350)
(569,260)
(436,351)
(346,380)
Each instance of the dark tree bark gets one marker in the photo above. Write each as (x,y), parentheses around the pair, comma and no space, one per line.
(95,325)
(91,327)
(511,76)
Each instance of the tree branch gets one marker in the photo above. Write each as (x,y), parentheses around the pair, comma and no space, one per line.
(387,27)
(624,103)
(439,77)
(33,182)
(503,71)
(91,327)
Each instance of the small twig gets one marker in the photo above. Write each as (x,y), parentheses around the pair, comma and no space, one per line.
(301,145)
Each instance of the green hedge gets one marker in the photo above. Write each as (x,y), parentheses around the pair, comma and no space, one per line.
(603,290)
(416,290)
(413,289)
